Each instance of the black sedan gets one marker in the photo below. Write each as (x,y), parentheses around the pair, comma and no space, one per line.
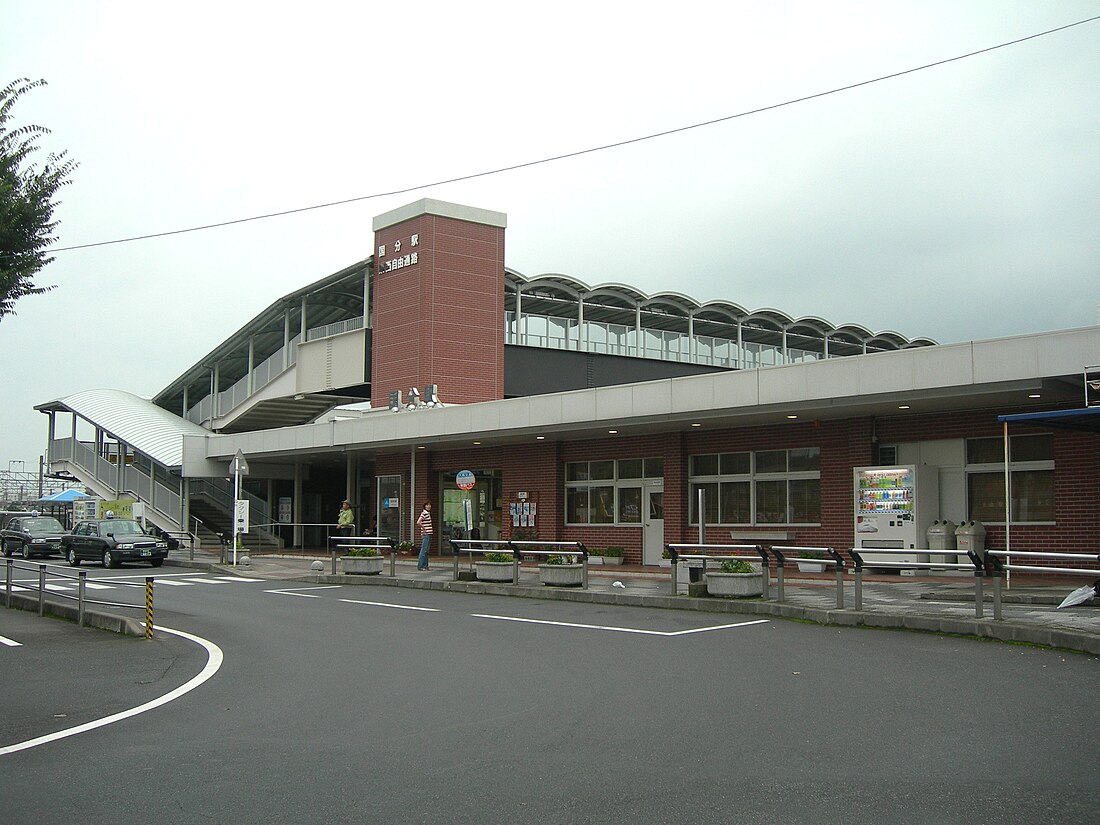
(113,541)
(30,536)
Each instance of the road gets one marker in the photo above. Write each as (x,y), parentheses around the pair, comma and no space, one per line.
(393,705)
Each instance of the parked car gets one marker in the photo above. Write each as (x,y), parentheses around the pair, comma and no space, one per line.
(29,535)
(113,541)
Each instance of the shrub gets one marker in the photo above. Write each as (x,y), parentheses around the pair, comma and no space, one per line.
(368,552)
(498,557)
(737,566)
(561,560)
(612,552)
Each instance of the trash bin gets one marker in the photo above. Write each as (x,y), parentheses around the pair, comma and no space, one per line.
(941,535)
(970,535)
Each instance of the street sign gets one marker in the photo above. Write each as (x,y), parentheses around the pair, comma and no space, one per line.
(240,516)
(465,480)
(240,465)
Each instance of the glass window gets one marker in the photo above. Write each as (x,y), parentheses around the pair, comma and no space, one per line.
(1032,495)
(630,468)
(771,461)
(576,505)
(805,495)
(735,498)
(577,471)
(654,468)
(601,505)
(804,459)
(710,492)
(1031,448)
(985,451)
(601,469)
(630,505)
(704,465)
(771,502)
(733,464)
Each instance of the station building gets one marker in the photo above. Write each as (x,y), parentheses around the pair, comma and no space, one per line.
(592,413)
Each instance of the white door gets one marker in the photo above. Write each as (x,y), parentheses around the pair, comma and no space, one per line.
(653,525)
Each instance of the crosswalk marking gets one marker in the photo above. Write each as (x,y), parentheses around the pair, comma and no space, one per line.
(175,582)
(237,579)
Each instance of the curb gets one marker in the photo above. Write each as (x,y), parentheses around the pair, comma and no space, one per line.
(921,622)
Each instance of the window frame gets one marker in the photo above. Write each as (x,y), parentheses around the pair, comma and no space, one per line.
(1015,468)
(754,477)
(581,475)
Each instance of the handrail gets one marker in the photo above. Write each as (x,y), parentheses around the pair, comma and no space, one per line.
(523,548)
(999,567)
(675,554)
(81,600)
(375,542)
(976,566)
(835,559)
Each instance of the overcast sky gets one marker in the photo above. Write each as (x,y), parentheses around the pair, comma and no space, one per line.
(961,202)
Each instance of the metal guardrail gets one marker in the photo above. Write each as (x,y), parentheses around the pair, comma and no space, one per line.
(993,557)
(81,598)
(677,554)
(379,543)
(826,556)
(976,566)
(518,549)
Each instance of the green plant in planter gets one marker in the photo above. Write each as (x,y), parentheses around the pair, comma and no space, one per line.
(561,560)
(612,552)
(812,554)
(666,554)
(498,557)
(737,566)
(367,552)
(405,547)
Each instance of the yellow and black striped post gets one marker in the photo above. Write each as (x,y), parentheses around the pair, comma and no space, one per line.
(149,607)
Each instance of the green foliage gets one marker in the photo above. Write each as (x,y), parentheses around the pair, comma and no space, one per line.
(561,559)
(812,554)
(737,566)
(498,557)
(405,547)
(367,552)
(612,552)
(26,200)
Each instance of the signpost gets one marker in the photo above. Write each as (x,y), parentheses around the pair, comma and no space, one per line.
(465,481)
(240,514)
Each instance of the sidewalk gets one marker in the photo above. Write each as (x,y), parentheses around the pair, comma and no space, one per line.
(939,604)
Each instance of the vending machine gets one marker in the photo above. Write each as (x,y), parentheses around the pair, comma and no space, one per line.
(894,506)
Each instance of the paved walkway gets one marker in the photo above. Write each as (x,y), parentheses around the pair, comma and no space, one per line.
(942,604)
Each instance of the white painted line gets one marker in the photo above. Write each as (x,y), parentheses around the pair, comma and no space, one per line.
(395,606)
(616,629)
(94,586)
(60,588)
(237,579)
(206,581)
(4,640)
(295,591)
(214,658)
(171,583)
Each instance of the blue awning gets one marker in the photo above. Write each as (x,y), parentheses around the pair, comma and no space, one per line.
(1084,418)
(65,496)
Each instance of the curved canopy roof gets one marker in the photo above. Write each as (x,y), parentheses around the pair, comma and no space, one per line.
(134,420)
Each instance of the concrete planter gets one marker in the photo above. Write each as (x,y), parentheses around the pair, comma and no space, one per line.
(612,560)
(561,575)
(811,566)
(494,571)
(735,585)
(362,565)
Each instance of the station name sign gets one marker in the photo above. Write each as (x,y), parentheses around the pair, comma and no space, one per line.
(397,260)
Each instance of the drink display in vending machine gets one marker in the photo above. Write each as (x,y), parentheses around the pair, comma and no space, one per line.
(894,507)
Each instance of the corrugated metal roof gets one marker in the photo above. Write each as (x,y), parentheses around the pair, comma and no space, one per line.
(132,419)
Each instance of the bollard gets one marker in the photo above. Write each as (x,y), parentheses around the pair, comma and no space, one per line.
(149,607)
(7,583)
(41,590)
(979,595)
(82,577)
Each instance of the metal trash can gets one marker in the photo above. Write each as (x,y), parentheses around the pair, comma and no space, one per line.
(941,535)
(970,535)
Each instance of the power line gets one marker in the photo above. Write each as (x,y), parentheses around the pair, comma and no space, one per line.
(580,152)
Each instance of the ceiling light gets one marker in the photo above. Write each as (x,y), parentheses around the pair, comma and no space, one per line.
(477,443)
(612,432)
(696,424)
(903,406)
(1035,395)
(792,416)
(540,438)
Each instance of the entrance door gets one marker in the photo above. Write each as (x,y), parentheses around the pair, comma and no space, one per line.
(653,528)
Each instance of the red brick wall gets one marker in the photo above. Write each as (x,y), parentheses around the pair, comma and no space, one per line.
(538,469)
(440,320)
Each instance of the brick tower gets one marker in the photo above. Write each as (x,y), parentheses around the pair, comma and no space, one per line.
(438,302)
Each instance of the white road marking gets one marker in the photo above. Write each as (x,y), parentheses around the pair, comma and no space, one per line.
(294,591)
(237,579)
(171,583)
(4,640)
(208,581)
(618,629)
(214,659)
(396,606)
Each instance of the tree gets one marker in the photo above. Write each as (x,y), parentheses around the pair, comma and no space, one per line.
(26,200)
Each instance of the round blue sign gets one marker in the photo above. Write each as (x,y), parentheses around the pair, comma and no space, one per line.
(465,480)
